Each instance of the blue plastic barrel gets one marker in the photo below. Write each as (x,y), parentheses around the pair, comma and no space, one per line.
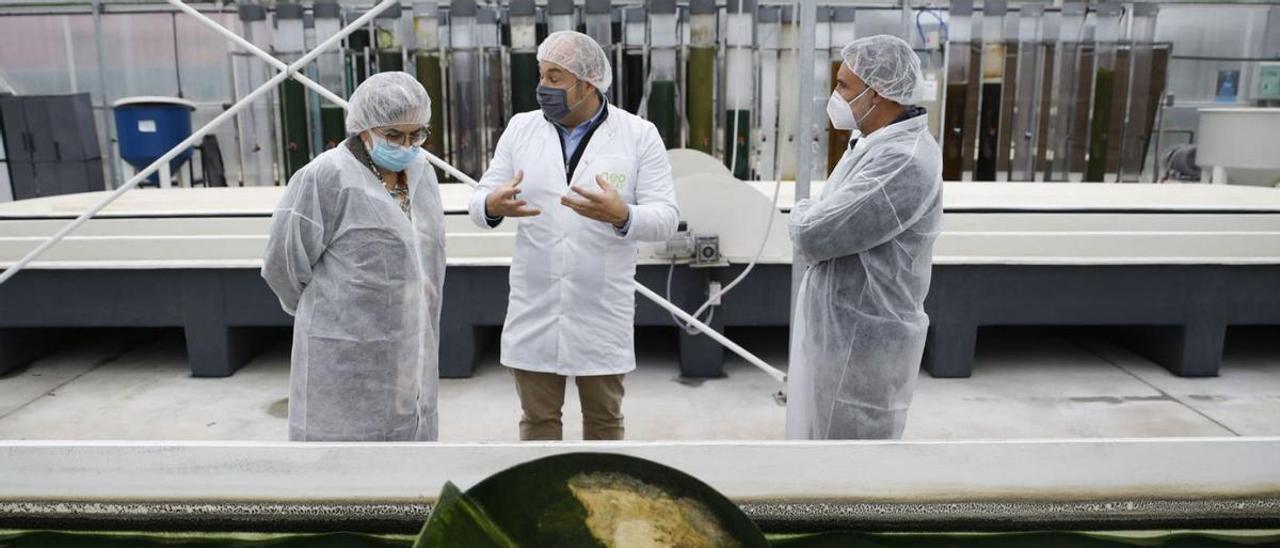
(147,127)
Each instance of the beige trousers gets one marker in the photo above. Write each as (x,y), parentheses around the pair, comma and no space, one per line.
(542,398)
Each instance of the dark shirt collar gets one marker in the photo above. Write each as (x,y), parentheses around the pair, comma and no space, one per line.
(908,113)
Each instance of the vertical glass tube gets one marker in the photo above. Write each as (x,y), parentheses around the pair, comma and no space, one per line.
(1081,113)
(389,38)
(768,36)
(616,16)
(992,91)
(1025,130)
(822,86)
(332,117)
(257,148)
(598,16)
(664,39)
(466,102)
(740,85)
(632,73)
(1107,36)
(1156,98)
(492,76)
(524,56)
(1120,99)
(843,31)
(314,101)
(1008,97)
(701,74)
(560,16)
(287,41)
(788,94)
(973,99)
(1071,34)
(929,25)
(1051,25)
(426,64)
(360,56)
(1137,130)
(957,91)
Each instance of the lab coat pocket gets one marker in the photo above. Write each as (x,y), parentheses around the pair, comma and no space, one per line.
(618,171)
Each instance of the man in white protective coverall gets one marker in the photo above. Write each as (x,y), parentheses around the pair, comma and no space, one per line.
(867,243)
(588,181)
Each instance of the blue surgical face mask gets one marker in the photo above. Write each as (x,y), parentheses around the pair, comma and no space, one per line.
(555,102)
(391,157)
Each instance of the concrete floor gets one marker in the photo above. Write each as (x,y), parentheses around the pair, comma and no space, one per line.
(1028,383)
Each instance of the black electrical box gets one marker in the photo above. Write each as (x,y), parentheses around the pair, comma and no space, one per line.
(51,144)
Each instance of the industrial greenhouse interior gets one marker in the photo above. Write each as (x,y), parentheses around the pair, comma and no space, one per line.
(624,273)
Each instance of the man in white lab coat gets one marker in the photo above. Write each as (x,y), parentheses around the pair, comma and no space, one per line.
(588,181)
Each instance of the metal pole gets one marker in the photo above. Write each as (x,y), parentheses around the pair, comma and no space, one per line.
(102,92)
(195,137)
(710,332)
(908,20)
(240,41)
(808,14)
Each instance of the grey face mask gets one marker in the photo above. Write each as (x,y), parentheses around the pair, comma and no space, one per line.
(555,102)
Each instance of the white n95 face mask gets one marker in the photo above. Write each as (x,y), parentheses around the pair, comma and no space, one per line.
(841,112)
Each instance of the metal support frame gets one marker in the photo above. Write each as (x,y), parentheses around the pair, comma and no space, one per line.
(292,71)
(807,14)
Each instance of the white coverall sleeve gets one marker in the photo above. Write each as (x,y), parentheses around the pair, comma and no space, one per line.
(500,171)
(882,200)
(655,215)
(296,240)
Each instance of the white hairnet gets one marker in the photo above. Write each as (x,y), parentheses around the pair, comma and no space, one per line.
(579,54)
(888,65)
(388,99)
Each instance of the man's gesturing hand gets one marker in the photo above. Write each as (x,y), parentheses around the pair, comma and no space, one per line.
(505,201)
(605,206)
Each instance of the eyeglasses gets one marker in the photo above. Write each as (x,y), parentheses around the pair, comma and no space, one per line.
(397,137)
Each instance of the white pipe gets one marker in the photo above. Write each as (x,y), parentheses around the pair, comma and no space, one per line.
(193,139)
(450,169)
(239,40)
(710,332)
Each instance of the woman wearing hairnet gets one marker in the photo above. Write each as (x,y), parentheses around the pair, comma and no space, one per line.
(867,242)
(356,254)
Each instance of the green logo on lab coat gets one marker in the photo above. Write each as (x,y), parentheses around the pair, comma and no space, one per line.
(618,180)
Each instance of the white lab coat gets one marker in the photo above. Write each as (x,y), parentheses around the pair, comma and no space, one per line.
(572,304)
